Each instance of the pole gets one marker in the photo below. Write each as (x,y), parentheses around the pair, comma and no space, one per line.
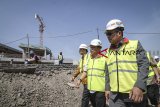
(98,32)
(28,45)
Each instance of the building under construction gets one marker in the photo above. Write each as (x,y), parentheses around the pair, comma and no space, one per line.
(8,53)
(42,52)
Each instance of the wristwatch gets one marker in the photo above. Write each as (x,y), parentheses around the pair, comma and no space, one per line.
(80,80)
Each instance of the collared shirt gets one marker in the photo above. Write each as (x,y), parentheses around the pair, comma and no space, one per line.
(123,41)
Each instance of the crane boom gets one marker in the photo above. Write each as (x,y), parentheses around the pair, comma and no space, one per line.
(41,28)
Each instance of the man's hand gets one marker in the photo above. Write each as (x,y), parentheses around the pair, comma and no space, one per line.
(158,79)
(107,94)
(136,95)
(78,83)
(72,79)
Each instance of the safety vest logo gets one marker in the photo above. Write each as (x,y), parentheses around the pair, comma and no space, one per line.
(126,52)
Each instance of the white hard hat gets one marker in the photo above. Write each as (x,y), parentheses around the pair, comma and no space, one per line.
(31,52)
(83,46)
(115,23)
(96,42)
(156,57)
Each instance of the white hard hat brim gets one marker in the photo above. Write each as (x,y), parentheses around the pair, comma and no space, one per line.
(83,48)
(96,45)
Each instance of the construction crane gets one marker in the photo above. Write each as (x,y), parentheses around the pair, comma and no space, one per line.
(41,28)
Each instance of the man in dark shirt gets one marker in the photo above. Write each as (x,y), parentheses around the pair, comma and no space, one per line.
(33,58)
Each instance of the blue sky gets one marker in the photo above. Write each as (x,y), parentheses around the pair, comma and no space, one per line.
(74,17)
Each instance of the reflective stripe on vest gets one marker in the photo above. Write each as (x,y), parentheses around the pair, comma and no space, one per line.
(122,67)
(123,70)
(96,74)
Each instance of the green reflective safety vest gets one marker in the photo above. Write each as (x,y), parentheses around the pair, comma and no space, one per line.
(122,67)
(96,74)
(83,62)
(158,64)
(60,57)
(151,72)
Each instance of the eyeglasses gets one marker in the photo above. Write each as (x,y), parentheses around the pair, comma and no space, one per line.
(93,47)
(81,49)
(109,34)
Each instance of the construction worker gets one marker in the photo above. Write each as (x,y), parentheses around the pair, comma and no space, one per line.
(127,69)
(158,65)
(83,52)
(33,58)
(11,62)
(156,58)
(60,58)
(152,82)
(94,70)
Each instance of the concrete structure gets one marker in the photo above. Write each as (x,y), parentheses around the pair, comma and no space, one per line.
(38,50)
(8,53)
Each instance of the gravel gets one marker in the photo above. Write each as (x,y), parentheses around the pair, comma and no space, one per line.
(44,89)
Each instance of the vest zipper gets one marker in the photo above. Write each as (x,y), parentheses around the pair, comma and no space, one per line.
(82,64)
(91,74)
(117,72)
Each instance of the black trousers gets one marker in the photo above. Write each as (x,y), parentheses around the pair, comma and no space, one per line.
(85,97)
(122,100)
(98,99)
(153,93)
(60,62)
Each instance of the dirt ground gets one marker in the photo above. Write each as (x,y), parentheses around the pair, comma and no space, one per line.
(45,89)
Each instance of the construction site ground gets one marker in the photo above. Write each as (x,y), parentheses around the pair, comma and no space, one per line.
(43,88)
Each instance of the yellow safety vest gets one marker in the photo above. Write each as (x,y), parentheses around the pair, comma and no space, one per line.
(84,62)
(60,57)
(122,67)
(151,72)
(158,64)
(96,74)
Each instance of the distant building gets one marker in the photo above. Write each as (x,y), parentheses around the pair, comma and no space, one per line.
(153,52)
(9,52)
(10,55)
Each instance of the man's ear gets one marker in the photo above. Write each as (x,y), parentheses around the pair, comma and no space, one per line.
(119,34)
